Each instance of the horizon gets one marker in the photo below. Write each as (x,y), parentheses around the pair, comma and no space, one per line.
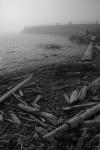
(17,14)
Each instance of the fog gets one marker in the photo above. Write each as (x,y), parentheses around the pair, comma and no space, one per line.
(15,14)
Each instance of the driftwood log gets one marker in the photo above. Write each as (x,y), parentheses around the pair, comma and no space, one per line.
(5,96)
(91,123)
(73,122)
(88,56)
(27,108)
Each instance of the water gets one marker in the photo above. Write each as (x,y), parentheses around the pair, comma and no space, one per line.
(18,50)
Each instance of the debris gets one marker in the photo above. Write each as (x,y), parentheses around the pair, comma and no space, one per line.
(82,93)
(19,99)
(81,140)
(5,96)
(1,117)
(50,117)
(67,98)
(96,98)
(27,122)
(88,56)
(27,108)
(79,107)
(41,130)
(36,99)
(14,117)
(95,85)
(91,123)
(74,122)
(21,93)
(74,96)
(38,121)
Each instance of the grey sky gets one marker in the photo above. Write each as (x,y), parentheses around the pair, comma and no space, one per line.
(15,14)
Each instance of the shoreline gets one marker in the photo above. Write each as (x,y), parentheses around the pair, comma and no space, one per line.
(32,68)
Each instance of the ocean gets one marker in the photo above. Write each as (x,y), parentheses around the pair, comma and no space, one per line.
(21,50)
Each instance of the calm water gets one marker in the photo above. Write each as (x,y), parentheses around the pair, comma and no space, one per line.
(16,49)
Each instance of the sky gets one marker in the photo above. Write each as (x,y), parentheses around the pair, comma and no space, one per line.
(16,14)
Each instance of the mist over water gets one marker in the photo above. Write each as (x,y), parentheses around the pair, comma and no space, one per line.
(18,50)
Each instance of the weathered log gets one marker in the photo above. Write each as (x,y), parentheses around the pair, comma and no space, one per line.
(82,93)
(79,107)
(74,96)
(94,85)
(27,108)
(14,117)
(91,123)
(73,122)
(88,56)
(5,96)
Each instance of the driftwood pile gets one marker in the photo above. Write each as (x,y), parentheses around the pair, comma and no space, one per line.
(56,108)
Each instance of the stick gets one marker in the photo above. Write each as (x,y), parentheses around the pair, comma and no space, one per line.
(5,96)
(36,99)
(82,106)
(74,122)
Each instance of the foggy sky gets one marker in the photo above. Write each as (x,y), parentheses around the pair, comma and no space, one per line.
(15,14)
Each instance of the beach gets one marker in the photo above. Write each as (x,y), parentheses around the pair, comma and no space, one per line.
(25,52)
